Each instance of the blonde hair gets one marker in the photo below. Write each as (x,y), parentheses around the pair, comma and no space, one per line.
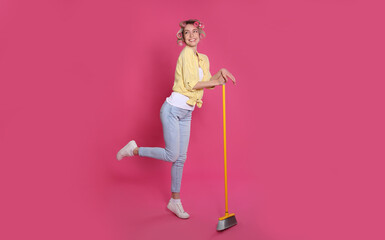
(198,24)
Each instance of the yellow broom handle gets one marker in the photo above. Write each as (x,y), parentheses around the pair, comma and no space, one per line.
(224,145)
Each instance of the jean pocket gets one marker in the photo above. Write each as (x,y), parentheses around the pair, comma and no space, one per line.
(179,112)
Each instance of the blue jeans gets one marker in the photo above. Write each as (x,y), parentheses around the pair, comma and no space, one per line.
(176,124)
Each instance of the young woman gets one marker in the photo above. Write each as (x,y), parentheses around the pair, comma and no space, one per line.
(192,75)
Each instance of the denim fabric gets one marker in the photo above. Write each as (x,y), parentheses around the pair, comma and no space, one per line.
(176,124)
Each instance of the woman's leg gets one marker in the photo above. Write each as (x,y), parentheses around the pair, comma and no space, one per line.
(177,166)
(170,123)
(175,204)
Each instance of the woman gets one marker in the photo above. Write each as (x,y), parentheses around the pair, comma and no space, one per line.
(192,75)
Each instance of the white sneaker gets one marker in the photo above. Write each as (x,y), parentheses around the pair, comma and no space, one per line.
(177,208)
(127,150)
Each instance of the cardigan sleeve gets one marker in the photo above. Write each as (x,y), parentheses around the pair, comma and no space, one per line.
(190,72)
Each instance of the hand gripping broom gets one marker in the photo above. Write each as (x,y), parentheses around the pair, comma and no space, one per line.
(228,220)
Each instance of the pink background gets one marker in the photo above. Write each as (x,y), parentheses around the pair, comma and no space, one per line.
(79,79)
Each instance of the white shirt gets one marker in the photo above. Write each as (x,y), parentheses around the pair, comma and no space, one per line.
(179,100)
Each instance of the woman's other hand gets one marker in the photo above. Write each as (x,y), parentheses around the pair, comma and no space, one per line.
(226,74)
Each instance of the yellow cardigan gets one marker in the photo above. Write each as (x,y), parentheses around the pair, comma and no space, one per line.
(187,75)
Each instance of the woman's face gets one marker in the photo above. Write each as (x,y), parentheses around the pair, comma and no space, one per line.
(191,35)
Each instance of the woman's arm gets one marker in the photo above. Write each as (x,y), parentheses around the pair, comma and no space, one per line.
(206,84)
(219,78)
(215,80)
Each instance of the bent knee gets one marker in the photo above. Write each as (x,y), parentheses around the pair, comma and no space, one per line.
(172,157)
(182,157)
(181,160)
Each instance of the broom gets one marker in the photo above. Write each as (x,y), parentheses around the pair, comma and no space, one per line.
(228,220)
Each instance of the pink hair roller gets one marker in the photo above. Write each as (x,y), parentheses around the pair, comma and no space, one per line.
(182,24)
(196,24)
